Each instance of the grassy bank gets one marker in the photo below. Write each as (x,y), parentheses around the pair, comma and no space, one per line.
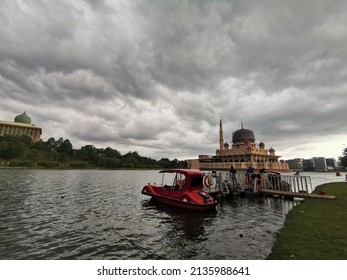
(316,229)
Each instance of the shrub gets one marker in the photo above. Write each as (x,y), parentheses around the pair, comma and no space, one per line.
(49,164)
(21,163)
(78,164)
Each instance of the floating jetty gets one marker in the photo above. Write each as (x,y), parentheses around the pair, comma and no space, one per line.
(269,184)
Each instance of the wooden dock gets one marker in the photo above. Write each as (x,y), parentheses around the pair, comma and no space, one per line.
(278,185)
(296,194)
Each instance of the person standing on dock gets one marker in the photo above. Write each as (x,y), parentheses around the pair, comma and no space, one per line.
(232,173)
(249,173)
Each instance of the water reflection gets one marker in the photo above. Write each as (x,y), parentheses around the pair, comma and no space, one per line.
(190,223)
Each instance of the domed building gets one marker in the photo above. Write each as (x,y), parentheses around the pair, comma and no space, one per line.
(242,153)
(23,118)
(21,126)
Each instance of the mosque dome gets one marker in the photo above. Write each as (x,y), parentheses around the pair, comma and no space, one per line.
(243,135)
(23,118)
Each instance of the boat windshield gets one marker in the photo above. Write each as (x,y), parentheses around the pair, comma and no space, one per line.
(173,180)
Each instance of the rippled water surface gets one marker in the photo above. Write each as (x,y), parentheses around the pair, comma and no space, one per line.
(46,214)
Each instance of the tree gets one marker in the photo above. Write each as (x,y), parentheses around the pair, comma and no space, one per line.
(13,146)
(132,158)
(50,142)
(65,148)
(343,158)
(165,162)
(109,162)
(89,154)
(110,153)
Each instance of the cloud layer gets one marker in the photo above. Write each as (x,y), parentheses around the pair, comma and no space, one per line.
(156,76)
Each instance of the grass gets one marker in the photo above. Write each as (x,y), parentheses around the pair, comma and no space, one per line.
(316,229)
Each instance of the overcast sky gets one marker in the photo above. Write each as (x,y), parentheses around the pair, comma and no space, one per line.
(155,76)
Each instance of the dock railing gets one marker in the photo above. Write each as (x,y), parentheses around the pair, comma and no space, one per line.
(223,182)
(298,183)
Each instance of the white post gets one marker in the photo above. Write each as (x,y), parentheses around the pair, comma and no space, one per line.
(293,189)
(298,178)
(307,190)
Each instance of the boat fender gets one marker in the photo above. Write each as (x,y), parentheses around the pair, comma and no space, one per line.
(208,180)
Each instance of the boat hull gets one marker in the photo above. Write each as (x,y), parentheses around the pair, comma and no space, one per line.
(182,204)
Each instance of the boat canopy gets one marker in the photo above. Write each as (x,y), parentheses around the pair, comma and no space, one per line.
(186,172)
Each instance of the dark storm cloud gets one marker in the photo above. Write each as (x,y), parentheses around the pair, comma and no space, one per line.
(187,41)
(156,76)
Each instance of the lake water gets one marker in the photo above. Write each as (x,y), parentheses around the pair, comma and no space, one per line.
(49,214)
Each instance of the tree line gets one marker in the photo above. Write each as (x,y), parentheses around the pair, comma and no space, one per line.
(18,151)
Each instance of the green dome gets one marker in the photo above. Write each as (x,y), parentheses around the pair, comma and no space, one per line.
(23,118)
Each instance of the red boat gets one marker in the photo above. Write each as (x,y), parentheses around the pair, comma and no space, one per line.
(182,188)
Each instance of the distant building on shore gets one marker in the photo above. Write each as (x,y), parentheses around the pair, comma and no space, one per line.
(313,164)
(21,126)
(244,152)
(296,164)
(331,163)
(319,164)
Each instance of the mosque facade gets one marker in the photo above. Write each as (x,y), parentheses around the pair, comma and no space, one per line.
(21,126)
(242,153)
